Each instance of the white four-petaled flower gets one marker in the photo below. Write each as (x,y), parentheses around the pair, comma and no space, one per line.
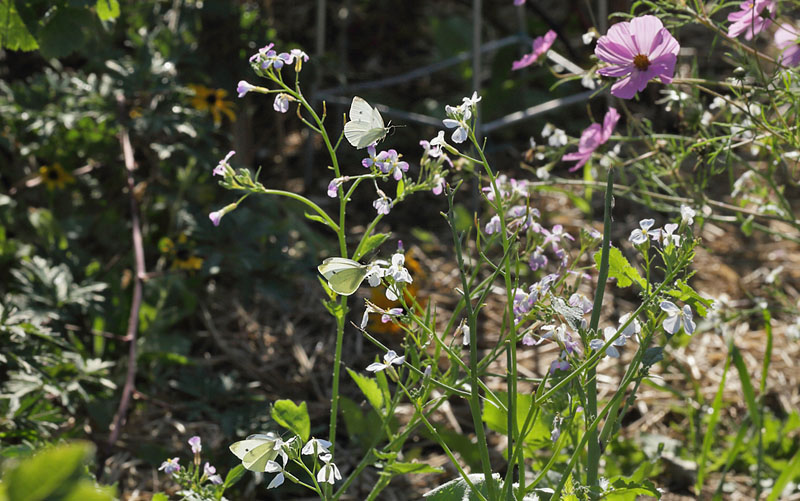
(388,359)
(676,316)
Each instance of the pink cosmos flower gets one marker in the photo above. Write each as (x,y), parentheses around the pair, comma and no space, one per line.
(749,20)
(638,51)
(786,39)
(540,46)
(592,137)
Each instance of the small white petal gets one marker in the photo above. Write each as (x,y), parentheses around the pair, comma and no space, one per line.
(276,482)
(672,324)
(376,367)
(646,224)
(670,308)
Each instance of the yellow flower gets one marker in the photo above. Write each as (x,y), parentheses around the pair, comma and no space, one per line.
(55,176)
(212,100)
(183,258)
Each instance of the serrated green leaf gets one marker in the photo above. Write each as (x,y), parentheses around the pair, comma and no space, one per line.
(370,243)
(292,417)
(14,35)
(369,387)
(107,9)
(63,33)
(403,468)
(629,491)
(620,269)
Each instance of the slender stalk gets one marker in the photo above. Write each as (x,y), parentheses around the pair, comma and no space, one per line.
(593,459)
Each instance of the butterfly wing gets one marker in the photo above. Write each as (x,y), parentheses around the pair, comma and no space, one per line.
(344,275)
(254,452)
(357,132)
(365,126)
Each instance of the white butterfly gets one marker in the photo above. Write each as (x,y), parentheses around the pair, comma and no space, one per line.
(344,275)
(365,126)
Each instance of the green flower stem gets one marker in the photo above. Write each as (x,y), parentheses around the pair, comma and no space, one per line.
(446,449)
(593,459)
(474,400)
(316,208)
(511,337)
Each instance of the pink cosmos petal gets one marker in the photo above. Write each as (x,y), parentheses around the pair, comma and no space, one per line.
(626,42)
(786,39)
(540,46)
(609,122)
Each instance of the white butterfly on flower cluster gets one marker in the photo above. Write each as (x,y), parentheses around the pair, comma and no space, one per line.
(365,125)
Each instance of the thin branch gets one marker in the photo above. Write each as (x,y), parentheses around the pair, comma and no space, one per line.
(136,303)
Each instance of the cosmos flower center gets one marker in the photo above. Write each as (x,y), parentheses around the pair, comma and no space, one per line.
(53,174)
(641,62)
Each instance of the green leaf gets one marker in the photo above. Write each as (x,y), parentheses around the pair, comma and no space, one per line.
(652,356)
(48,473)
(401,187)
(686,294)
(791,471)
(458,489)
(620,268)
(292,417)
(496,418)
(629,491)
(14,35)
(107,9)
(86,490)
(370,243)
(403,468)
(64,32)
(233,476)
(160,496)
(747,387)
(316,217)
(369,387)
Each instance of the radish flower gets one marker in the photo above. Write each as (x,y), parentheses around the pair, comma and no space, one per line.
(638,51)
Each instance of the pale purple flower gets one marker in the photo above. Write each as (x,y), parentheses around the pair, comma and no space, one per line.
(554,236)
(608,333)
(383,204)
(519,2)
(637,51)
(387,315)
(527,339)
(372,159)
(223,164)
(299,58)
(438,184)
(786,39)
(591,138)
(275,60)
(560,364)
(208,470)
(244,87)
(196,445)
(493,226)
(750,19)
(537,259)
(262,52)
(170,466)
(676,316)
(281,104)
(389,163)
(457,119)
(540,46)
(578,300)
(388,359)
(216,217)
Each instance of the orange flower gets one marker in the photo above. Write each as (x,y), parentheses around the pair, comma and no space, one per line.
(212,100)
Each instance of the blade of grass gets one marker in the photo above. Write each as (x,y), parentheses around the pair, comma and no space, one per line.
(708,438)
